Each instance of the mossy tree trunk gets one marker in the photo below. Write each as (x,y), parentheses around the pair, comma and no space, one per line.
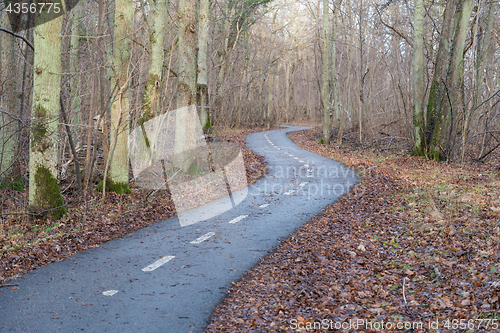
(151,102)
(326,87)
(44,194)
(10,171)
(454,107)
(418,78)
(434,117)
(202,86)
(118,180)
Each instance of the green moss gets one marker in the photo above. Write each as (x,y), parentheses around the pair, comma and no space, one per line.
(17,184)
(207,126)
(38,127)
(47,201)
(111,186)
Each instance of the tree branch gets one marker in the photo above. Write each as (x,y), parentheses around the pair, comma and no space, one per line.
(18,36)
(394,29)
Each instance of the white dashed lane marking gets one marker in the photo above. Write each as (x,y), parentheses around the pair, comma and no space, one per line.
(109,292)
(264,205)
(302,184)
(289,192)
(203,238)
(238,219)
(157,263)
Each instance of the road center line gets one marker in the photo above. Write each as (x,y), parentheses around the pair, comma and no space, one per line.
(203,238)
(264,205)
(238,219)
(157,263)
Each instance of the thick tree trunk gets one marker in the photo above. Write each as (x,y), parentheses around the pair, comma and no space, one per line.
(44,194)
(434,117)
(202,86)
(418,78)
(186,88)
(485,71)
(454,107)
(152,91)
(10,171)
(326,88)
(117,180)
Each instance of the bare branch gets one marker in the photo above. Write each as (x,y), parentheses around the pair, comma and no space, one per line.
(18,36)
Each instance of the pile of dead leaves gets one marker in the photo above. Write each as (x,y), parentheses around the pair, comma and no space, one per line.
(26,244)
(416,244)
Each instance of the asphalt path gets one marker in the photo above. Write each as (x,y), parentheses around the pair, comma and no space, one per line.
(166,278)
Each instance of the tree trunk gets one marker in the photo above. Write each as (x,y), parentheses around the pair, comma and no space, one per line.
(186,88)
(287,92)
(454,107)
(336,109)
(485,64)
(10,170)
(152,91)
(418,78)
(202,86)
(44,194)
(74,63)
(326,88)
(361,113)
(437,90)
(117,180)
(269,99)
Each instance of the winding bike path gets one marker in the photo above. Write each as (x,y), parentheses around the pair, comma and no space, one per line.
(165,278)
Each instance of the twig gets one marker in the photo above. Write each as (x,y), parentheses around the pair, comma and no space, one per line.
(404,297)
(71,144)
(9,285)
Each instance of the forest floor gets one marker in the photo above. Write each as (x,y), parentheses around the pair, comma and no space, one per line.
(415,244)
(27,244)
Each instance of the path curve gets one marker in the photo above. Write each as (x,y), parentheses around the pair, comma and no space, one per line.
(165,278)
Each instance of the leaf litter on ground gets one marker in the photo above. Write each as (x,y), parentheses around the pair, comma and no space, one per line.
(27,244)
(417,241)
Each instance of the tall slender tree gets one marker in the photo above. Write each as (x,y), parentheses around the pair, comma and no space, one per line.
(336,109)
(10,171)
(118,180)
(418,77)
(44,194)
(326,89)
